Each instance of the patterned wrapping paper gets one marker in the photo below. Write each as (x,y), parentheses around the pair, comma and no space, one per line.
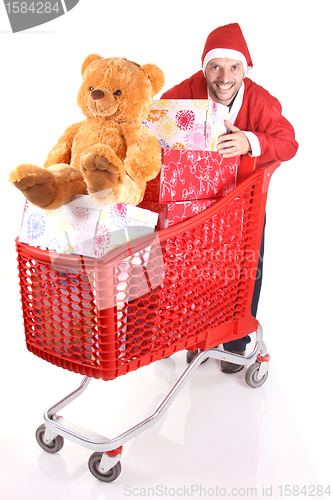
(216,115)
(170,214)
(192,175)
(178,124)
(187,123)
(79,227)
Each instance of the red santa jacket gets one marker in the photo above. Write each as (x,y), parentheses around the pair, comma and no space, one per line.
(260,113)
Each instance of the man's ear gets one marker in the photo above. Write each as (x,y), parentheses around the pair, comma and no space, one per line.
(88,60)
(155,75)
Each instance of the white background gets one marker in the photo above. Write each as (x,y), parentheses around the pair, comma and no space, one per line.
(219,432)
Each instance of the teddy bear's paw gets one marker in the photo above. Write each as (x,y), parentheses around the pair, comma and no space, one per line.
(99,173)
(36,184)
(92,161)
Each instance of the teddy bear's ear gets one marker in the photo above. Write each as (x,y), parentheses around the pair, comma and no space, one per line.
(155,75)
(88,60)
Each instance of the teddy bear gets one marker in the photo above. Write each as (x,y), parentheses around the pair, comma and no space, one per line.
(110,155)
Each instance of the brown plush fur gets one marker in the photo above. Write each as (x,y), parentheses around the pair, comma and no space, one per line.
(111,154)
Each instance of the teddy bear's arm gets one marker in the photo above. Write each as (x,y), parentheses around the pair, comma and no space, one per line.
(143,158)
(62,151)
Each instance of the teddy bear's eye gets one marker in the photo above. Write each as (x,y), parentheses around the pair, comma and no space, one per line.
(117,92)
(91,88)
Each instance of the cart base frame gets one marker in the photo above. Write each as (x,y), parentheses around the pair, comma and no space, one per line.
(110,449)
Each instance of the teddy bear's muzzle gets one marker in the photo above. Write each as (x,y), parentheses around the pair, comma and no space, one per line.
(102,102)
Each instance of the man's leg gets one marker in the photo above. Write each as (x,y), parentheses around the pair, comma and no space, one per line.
(239,346)
(258,281)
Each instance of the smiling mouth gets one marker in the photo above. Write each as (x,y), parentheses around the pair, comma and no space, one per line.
(224,87)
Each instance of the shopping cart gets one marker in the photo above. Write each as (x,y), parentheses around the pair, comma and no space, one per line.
(187,287)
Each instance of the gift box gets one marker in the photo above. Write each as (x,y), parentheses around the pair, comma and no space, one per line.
(81,227)
(178,124)
(170,214)
(216,115)
(192,175)
(192,124)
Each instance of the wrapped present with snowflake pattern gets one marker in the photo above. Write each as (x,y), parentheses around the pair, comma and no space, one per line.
(81,227)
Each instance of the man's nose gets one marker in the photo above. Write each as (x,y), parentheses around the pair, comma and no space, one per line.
(223,75)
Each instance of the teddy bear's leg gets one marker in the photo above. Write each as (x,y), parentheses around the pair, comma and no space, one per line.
(103,171)
(68,181)
(48,188)
(130,192)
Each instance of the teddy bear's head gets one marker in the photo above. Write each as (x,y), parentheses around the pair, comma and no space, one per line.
(118,88)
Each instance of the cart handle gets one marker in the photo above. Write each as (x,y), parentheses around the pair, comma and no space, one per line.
(269,169)
(248,166)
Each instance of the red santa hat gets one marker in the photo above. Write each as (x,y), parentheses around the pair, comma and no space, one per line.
(227,41)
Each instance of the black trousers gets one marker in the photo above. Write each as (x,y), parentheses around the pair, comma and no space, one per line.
(239,345)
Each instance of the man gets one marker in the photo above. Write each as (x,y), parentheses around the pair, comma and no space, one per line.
(255,124)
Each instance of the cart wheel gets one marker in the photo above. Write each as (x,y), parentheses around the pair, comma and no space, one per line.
(110,475)
(54,446)
(251,376)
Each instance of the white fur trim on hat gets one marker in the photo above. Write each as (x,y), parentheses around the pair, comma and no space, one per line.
(221,53)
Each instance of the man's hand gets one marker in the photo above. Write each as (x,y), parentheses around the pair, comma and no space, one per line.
(233,144)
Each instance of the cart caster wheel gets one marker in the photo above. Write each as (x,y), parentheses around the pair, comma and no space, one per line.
(251,376)
(110,475)
(54,446)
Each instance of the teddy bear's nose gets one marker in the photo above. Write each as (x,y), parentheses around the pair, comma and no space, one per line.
(97,94)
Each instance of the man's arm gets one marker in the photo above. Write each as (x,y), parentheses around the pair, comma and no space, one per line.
(277,142)
(276,138)
(271,135)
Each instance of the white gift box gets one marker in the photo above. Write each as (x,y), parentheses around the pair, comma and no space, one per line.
(193,124)
(81,227)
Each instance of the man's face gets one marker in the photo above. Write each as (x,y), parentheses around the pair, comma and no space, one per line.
(224,77)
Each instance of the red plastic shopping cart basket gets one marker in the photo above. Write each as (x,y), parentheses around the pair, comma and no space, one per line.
(188,286)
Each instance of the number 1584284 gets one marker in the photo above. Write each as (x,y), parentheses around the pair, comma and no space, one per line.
(32,7)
